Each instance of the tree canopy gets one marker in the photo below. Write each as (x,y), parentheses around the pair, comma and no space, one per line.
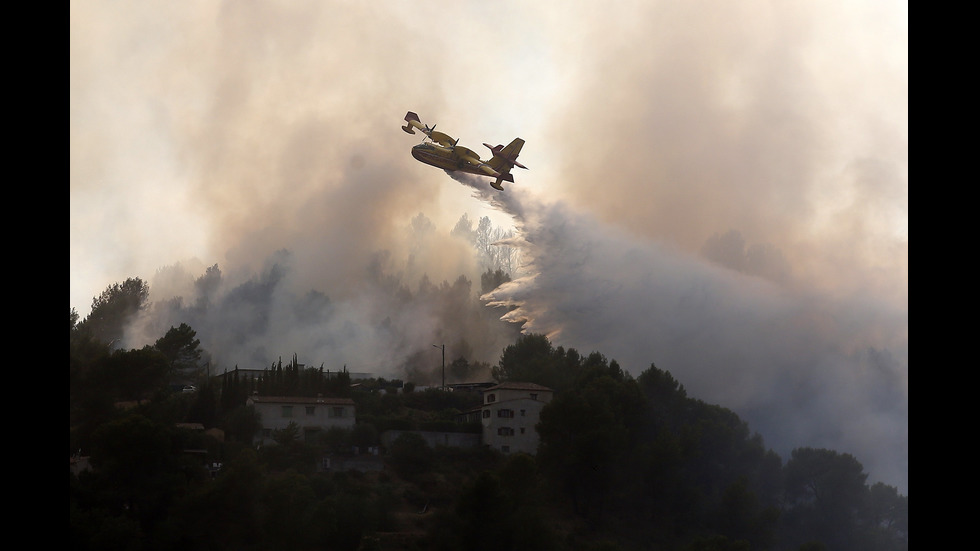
(180,347)
(623,463)
(114,308)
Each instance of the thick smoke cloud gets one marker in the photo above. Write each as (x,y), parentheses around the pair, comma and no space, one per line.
(770,139)
(226,131)
(783,122)
(384,325)
(804,369)
(270,146)
(718,188)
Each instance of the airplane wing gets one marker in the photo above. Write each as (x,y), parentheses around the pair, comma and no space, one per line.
(467,155)
(442,138)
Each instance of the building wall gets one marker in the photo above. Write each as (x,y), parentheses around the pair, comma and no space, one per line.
(509,417)
(311,415)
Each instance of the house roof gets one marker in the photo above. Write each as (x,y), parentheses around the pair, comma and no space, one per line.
(514,385)
(301,400)
(470,386)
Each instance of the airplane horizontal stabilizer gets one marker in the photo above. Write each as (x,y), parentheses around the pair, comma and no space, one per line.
(411,117)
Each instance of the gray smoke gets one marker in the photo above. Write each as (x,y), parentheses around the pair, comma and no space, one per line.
(384,324)
(803,369)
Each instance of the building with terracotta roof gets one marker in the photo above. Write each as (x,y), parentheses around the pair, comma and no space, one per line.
(313,416)
(509,414)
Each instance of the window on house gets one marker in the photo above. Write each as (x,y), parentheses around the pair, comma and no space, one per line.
(287,411)
(491,398)
(486,414)
(522,413)
(309,410)
(337,412)
(522,430)
(505,431)
(506,413)
(534,396)
(505,449)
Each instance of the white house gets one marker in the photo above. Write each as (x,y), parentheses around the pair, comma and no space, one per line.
(313,416)
(509,414)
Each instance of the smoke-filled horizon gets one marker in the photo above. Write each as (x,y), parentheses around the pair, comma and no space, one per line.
(384,324)
(720,189)
(803,369)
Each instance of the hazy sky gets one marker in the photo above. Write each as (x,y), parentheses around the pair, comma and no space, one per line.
(719,188)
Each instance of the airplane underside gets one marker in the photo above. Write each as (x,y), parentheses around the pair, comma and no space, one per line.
(431,156)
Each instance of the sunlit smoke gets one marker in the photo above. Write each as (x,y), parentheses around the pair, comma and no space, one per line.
(383,324)
(802,369)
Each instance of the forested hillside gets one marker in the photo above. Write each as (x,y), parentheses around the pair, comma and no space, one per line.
(624,463)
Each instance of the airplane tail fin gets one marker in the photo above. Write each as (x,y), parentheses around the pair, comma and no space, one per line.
(411,117)
(505,158)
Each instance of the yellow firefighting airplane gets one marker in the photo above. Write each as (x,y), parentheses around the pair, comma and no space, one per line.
(443,152)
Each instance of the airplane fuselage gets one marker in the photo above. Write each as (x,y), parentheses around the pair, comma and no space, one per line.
(453,159)
(437,156)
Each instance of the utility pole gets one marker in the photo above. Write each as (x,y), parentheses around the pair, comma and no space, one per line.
(443,347)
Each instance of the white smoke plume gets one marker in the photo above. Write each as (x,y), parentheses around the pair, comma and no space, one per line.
(383,324)
(804,369)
